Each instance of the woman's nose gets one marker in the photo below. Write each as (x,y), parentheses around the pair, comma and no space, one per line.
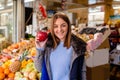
(59,28)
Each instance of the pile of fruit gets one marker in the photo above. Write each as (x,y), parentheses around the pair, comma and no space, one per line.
(16,61)
(5,73)
(27,72)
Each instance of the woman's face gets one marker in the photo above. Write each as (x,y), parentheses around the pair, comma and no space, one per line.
(60,29)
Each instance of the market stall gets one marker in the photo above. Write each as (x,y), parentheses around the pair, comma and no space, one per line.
(16,61)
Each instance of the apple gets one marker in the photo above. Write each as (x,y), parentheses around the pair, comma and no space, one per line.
(42,35)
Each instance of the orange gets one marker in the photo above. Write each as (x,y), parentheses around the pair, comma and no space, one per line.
(11,75)
(10,48)
(5,50)
(2,76)
(5,66)
(33,53)
(91,36)
(1,69)
(15,46)
(6,71)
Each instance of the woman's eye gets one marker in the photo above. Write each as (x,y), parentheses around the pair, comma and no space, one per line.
(55,26)
(63,25)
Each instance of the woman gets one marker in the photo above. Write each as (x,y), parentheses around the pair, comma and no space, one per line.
(62,53)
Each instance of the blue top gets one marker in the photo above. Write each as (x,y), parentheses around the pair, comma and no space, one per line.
(60,59)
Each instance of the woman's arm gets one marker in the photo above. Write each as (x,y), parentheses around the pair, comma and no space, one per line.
(40,46)
(38,59)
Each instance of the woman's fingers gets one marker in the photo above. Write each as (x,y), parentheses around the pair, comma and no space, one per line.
(40,44)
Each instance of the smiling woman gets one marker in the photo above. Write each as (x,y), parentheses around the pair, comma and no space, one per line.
(60,29)
(61,55)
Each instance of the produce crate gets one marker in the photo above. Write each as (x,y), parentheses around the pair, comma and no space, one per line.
(101,72)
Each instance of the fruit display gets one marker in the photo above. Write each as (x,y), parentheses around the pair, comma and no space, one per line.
(6,74)
(16,61)
(29,72)
(15,66)
(93,37)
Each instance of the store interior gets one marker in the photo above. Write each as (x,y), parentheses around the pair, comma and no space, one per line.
(97,22)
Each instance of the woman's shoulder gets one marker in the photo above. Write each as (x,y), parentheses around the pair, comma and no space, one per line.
(77,40)
(78,44)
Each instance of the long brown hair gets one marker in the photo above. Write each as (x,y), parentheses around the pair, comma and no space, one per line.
(68,36)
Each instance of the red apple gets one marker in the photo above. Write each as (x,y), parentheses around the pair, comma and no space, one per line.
(41,35)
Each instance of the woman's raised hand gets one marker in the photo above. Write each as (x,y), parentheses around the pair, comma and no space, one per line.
(40,44)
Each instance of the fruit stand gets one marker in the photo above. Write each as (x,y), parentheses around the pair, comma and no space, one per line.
(16,61)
